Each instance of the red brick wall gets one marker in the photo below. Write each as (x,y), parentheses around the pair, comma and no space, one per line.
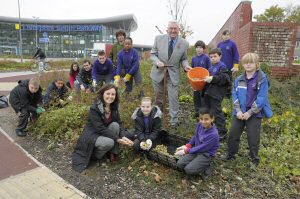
(274,42)
(241,16)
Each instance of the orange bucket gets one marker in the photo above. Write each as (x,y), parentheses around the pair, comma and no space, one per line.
(196,78)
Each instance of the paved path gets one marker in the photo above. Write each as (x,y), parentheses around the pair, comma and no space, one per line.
(21,175)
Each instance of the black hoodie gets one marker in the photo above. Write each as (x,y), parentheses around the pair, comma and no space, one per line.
(21,98)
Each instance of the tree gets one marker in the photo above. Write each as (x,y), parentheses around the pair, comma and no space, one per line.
(272,14)
(176,10)
(293,14)
(278,14)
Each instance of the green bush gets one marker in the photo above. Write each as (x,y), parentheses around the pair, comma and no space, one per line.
(281,148)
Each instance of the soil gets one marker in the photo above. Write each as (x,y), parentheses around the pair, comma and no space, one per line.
(98,181)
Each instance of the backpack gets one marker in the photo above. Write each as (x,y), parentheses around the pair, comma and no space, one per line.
(3,101)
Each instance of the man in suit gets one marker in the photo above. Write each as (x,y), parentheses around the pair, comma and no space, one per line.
(169,49)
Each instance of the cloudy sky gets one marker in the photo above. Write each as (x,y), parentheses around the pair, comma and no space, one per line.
(205,17)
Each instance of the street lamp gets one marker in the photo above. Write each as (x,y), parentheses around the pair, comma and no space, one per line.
(20,31)
(36,37)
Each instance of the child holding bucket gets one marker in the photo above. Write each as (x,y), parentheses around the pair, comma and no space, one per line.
(199,60)
(215,90)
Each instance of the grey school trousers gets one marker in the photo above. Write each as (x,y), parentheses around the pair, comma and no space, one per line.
(173,97)
(194,164)
(106,144)
(253,129)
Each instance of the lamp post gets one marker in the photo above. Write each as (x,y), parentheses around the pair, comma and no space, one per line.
(36,35)
(20,32)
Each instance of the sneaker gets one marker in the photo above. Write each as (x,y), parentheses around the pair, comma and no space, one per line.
(206,174)
(174,125)
(20,133)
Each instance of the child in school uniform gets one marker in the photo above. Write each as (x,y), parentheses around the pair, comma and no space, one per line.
(200,60)
(201,149)
(251,104)
(147,125)
(215,90)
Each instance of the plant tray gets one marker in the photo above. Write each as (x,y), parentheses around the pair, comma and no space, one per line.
(171,141)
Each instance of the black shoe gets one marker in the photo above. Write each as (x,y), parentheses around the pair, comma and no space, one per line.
(206,174)
(255,162)
(20,133)
(227,157)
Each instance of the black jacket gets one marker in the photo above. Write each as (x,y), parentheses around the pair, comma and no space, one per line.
(54,93)
(95,127)
(39,53)
(84,77)
(21,98)
(154,124)
(218,86)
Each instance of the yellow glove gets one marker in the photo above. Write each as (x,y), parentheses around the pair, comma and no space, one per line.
(127,77)
(235,68)
(208,79)
(117,77)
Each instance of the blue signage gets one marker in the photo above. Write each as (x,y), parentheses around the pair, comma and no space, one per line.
(45,35)
(63,28)
(43,40)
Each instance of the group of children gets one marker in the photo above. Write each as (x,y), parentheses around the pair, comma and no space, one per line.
(250,99)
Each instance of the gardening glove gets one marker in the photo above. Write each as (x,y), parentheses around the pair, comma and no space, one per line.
(183,147)
(143,145)
(40,110)
(148,144)
(94,84)
(117,80)
(208,79)
(127,77)
(179,153)
(235,68)
(61,101)
(70,98)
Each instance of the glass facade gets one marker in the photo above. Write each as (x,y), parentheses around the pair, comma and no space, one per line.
(56,40)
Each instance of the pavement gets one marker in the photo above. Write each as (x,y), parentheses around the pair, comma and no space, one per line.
(21,175)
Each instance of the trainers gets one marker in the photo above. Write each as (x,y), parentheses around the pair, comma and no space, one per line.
(174,125)
(20,133)
(206,174)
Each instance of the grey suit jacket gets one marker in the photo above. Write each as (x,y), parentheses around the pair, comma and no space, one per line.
(159,52)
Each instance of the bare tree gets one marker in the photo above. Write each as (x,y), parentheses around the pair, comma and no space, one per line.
(176,10)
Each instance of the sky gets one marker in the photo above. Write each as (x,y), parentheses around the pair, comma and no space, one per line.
(205,17)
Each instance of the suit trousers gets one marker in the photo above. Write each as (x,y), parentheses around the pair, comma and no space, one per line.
(253,129)
(194,164)
(173,97)
(105,144)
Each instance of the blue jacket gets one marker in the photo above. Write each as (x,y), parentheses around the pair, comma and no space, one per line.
(261,104)
(130,61)
(205,140)
(201,61)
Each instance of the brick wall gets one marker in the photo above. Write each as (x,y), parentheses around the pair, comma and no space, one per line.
(273,41)
(241,16)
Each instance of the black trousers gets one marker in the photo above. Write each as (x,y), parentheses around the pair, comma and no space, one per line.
(23,119)
(216,108)
(253,129)
(198,100)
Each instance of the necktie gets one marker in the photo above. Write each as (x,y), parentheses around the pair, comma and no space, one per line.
(170,51)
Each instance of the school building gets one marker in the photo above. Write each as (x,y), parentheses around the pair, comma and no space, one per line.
(62,38)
